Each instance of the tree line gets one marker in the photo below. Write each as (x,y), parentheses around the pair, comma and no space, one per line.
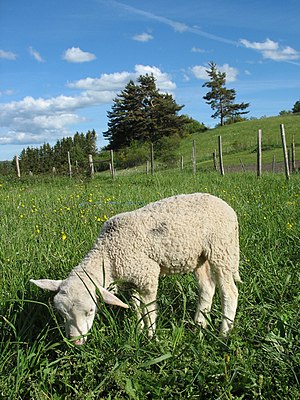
(46,158)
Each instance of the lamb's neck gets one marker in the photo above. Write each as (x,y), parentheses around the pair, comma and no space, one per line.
(96,266)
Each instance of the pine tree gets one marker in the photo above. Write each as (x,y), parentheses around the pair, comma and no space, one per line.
(141,113)
(90,143)
(296,107)
(126,119)
(222,99)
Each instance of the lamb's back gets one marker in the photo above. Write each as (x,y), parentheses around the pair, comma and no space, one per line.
(173,231)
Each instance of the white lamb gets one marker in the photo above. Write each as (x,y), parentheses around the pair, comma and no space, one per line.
(193,232)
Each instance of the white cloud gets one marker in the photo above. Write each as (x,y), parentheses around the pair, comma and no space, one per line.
(7,55)
(197,50)
(163,80)
(76,55)
(36,55)
(117,80)
(231,72)
(7,92)
(272,50)
(199,72)
(35,120)
(113,81)
(143,37)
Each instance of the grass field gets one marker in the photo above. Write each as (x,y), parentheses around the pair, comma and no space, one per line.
(48,225)
(240,141)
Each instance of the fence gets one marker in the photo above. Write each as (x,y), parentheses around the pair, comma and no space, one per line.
(289,160)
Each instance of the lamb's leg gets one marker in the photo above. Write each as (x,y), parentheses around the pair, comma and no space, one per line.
(146,298)
(229,299)
(137,306)
(149,310)
(206,285)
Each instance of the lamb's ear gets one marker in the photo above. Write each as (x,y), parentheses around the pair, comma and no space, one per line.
(110,298)
(48,284)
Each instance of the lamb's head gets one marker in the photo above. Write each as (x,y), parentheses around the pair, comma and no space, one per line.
(77,303)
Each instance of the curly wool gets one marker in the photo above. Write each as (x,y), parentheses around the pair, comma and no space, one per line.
(174,233)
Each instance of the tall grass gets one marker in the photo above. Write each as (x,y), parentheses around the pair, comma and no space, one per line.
(48,225)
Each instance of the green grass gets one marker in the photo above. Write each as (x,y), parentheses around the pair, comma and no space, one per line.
(48,225)
(240,141)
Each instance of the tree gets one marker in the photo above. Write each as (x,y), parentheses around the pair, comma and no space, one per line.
(296,107)
(141,113)
(222,99)
(43,159)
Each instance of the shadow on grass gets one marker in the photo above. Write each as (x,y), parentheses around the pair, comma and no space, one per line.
(26,318)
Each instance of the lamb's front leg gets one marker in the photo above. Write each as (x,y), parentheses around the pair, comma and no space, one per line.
(145,298)
(148,311)
(137,306)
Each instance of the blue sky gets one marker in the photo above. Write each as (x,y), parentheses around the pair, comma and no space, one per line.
(62,62)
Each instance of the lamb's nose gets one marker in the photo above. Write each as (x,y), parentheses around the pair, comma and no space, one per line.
(79,342)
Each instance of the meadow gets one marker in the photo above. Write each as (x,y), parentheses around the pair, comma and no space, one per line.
(48,224)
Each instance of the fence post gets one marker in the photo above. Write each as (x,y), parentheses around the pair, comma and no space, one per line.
(215,160)
(242,165)
(273,164)
(194,157)
(293,155)
(221,155)
(181,163)
(91,164)
(152,158)
(259,134)
(18,167)
(285,154)
(70,166)
(112,168)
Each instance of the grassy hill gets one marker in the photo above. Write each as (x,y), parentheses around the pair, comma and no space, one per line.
(240,141)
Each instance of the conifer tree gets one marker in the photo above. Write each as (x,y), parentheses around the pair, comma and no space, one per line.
(141,113)
(222,99)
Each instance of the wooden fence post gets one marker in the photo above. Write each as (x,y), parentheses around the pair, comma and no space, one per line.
(194,157)
(112,167)
(293,155)
(91,164)
(215,160)
(242,165)
(147,167)
(221,155)
(152,158)
(285,154)
(18,167)
(259,134)
(273,164)
(70,166)
(181,163)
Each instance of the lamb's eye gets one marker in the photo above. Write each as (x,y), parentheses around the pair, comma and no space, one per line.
(90,312)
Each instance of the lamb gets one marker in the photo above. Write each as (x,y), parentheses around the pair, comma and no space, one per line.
(180,234)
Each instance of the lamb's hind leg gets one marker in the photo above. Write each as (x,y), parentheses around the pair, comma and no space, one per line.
(229,299)
(206,285)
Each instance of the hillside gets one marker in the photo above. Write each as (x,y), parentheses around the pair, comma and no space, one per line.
(240,141)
